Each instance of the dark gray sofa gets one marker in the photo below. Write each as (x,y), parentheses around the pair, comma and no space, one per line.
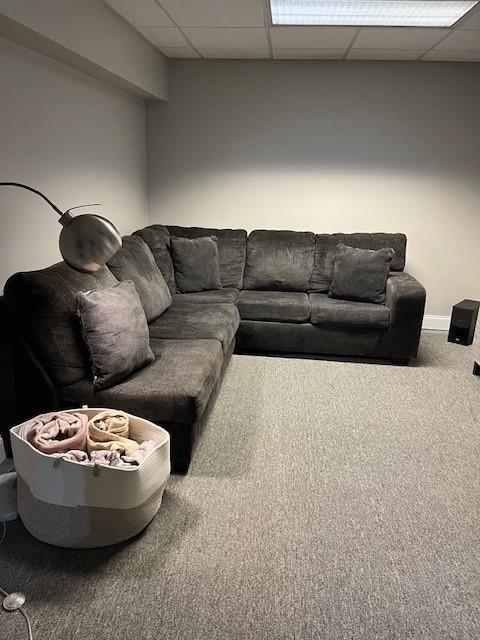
(273,299)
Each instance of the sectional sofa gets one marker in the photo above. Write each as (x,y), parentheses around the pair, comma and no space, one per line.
(274,298)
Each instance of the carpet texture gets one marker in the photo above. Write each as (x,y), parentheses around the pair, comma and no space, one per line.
(327,500)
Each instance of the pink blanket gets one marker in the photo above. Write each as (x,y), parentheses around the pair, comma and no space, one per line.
(56,432)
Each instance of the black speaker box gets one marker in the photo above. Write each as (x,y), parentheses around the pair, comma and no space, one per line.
(463,322)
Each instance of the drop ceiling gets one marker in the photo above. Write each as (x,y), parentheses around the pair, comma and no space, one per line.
(238,29)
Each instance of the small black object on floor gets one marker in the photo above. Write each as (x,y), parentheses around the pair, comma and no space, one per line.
(463,322)
(476,368)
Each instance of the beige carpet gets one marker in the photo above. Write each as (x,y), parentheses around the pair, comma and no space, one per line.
(327,500)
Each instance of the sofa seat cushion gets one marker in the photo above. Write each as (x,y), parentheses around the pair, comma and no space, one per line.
(345,313)
(176,387)
(274,306)
(193,321)
(213,296)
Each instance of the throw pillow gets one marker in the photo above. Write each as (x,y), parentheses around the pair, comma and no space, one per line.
(360,274)
(115,331)
(196,264)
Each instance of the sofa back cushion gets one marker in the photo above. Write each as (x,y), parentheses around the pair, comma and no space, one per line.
(279,260)
(232,244)
(43,304)
(157,236)
(134,261)
(326,243)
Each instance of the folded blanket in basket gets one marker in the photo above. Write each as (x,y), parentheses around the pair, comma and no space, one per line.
(109,431)
(112,458)
(56,432)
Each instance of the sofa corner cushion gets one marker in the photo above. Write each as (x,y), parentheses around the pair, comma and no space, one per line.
(325,247)
(134,261)
(274,306)
(232,246)
(175,388)
(360,274)
(157,237)
(193,321)
(209,297)
(115,331)
(346,313)
(279,260)
(44,305)
(196,264)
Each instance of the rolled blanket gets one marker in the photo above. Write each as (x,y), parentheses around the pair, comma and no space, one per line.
(109,430)
(56,432)
(75,455)
(137,457)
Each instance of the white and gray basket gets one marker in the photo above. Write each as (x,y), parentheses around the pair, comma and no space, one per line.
(74,505)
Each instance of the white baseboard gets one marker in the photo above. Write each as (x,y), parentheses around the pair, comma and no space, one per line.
(437,323)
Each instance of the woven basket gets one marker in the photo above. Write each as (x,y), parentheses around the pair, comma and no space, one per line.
(74,505)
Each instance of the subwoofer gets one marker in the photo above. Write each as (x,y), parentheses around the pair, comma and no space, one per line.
(463,322)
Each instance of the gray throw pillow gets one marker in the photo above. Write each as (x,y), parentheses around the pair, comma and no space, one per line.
(360,274)
(115,331)
(196,264)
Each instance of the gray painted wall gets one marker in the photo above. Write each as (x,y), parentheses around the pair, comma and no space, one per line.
(328,146)
(72,137)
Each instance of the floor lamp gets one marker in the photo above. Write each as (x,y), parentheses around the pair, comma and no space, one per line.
(86,243)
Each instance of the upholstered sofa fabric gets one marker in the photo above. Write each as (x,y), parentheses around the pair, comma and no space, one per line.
(157,237)
(405,297)
(360,274)
(214,296)
(326,243)
(331,312)
(196,265)
(232,245)
(44,305)
(193,321)
(274,306)
(174,388)
(115,331)
(279,260)
(134,261)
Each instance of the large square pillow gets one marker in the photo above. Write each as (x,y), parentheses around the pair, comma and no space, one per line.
(134,261)
(115,331)
(196,263)
(360,274)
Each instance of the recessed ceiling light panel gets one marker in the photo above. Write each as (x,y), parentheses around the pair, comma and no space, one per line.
(370,13)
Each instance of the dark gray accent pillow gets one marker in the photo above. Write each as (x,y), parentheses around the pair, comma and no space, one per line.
(134,261)
(115,331)
(360,274)
(196,264)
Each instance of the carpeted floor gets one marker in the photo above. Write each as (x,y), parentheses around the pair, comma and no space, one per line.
(327,500)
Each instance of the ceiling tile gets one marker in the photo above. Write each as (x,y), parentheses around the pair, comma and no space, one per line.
(385,54)
(141,13)
(309,54)
(398,38)
(227,38)
(471,21)
(235,54)
(215,13)
(164,36)
(179,52)
(452,56)
(312,37)
(461,41)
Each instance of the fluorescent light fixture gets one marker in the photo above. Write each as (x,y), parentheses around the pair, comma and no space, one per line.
(370,13)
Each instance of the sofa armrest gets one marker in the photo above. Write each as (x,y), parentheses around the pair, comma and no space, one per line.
(405,297)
